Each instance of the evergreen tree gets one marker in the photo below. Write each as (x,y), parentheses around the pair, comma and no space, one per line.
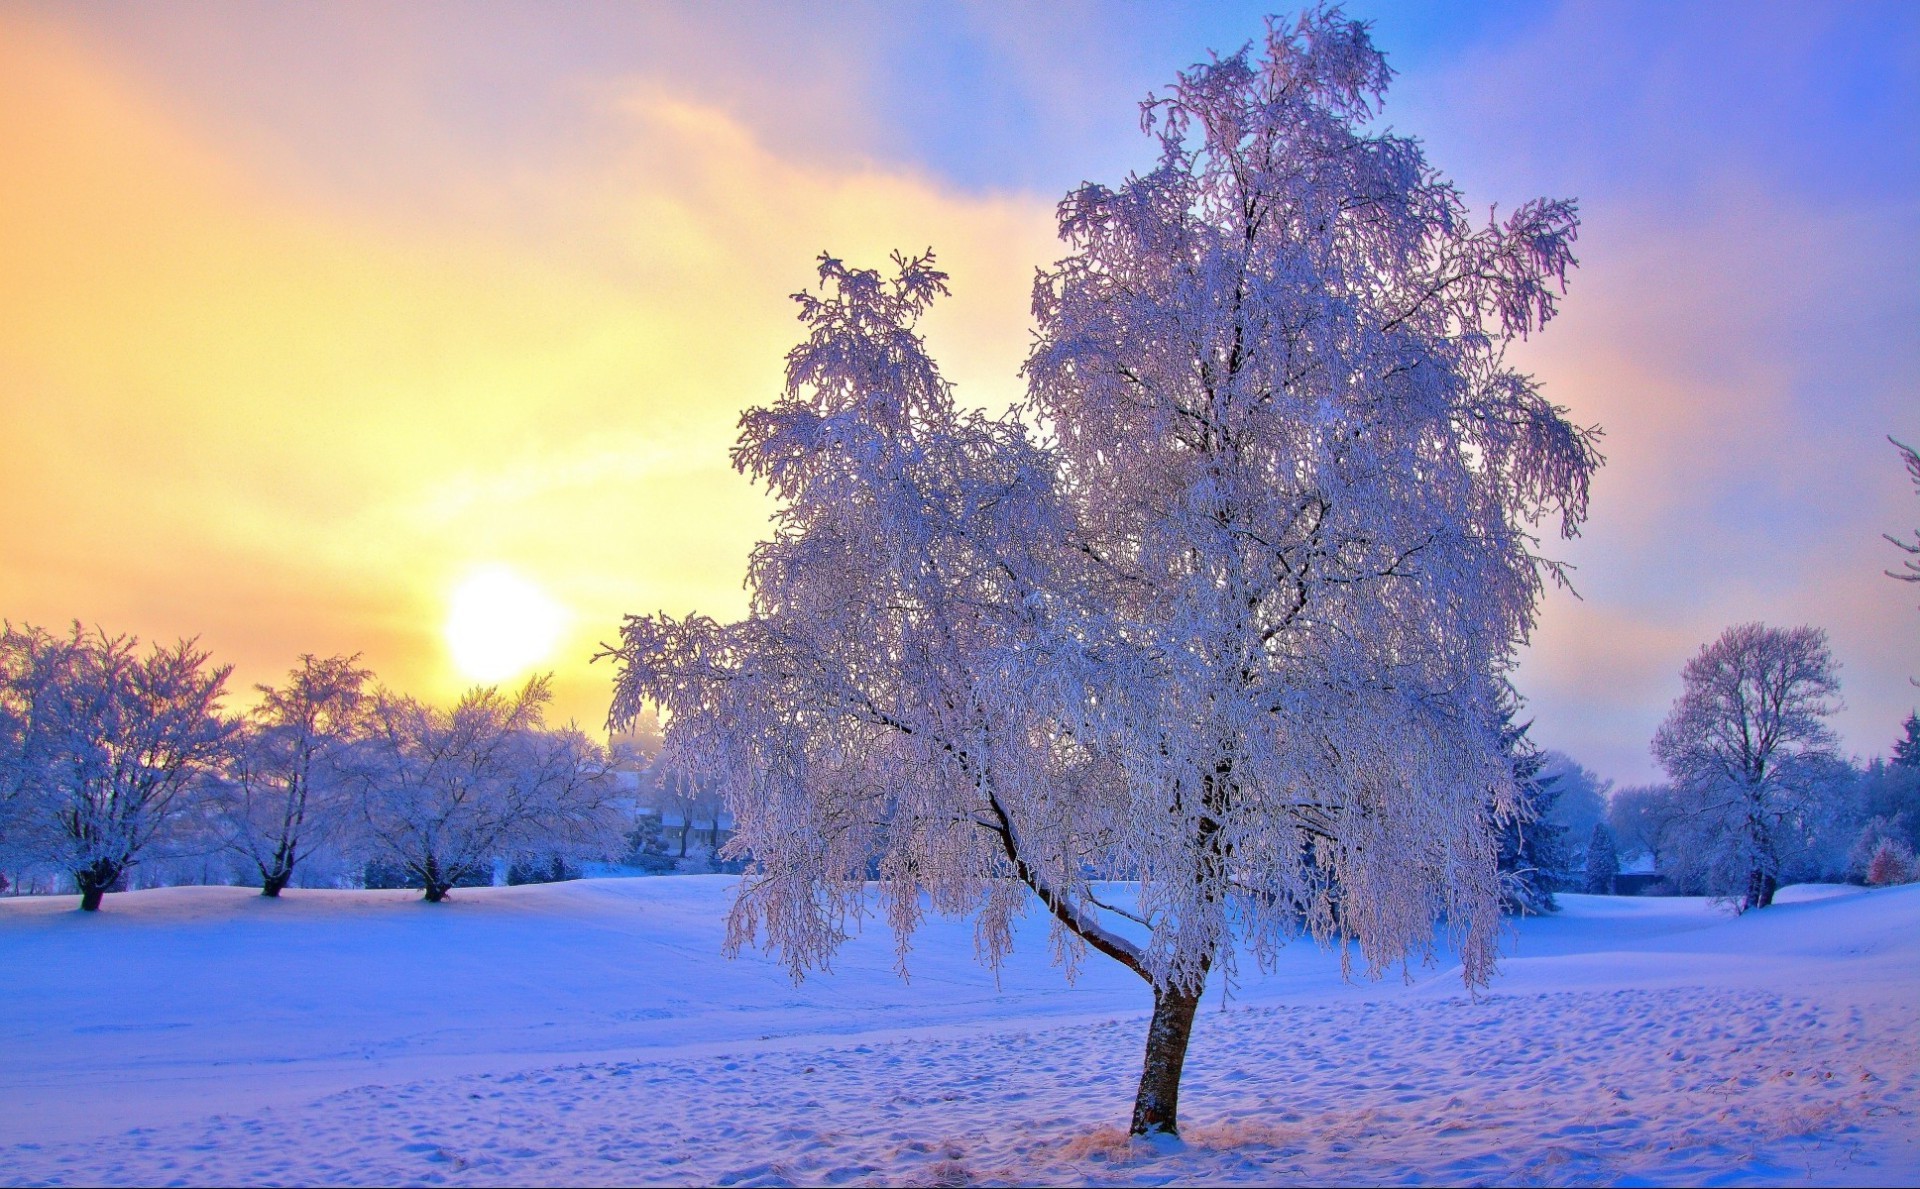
(1906,752)
(1532,847)
(1603,861)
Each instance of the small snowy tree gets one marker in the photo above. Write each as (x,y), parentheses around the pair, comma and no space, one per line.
(113,746)
(1237,631)
(1748,747)
(287,787)
(1603,861)
(443,793)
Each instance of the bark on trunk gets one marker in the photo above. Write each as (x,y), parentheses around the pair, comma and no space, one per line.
(272,885)
(434,882)
(1156,1108)
(95,882)
(1760,889)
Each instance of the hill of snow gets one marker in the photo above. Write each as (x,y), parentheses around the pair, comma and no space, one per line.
(591,1032)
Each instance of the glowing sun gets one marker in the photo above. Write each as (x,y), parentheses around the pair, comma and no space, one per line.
(500,625)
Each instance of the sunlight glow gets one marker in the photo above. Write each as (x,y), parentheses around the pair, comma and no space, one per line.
(499,624)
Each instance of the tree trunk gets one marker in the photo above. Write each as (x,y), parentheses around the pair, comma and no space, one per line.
(278,874)
(1156,1108)
(1760,888)
(434,882)
(95,882)
(686,826)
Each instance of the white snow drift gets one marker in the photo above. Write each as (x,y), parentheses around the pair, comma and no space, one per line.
(591,1033)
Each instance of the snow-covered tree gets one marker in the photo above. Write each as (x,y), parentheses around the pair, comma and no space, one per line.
(287,788)
(1603,861)
(1748,747)
(443,793)
(1236,631)
(112,746)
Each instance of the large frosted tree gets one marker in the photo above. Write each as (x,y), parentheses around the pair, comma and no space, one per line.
(1225,611)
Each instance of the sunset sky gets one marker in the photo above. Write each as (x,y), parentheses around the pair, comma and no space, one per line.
(313,317)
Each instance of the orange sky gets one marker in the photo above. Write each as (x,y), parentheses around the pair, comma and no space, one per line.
(289,426)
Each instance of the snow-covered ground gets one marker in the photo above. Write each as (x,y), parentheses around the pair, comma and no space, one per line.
(591,1033)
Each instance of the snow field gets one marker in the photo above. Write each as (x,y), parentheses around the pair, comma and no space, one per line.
(215,1039)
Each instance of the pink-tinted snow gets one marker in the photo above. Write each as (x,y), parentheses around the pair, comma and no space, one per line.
(591,1033)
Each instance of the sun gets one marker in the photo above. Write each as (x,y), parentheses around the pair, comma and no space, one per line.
(499,624)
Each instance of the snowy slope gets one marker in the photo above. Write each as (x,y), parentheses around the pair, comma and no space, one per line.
(592,1032)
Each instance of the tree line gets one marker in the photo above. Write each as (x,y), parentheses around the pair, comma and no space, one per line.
(112,755)
(1757,793)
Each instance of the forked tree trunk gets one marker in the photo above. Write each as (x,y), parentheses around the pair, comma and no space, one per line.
(1156,1108)
(95,882)
(274,884)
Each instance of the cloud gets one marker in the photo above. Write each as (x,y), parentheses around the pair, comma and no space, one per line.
(287,423)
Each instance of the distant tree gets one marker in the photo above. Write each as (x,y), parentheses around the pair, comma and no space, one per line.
(112,746)
(287,786)
(1640,817)
(1906,750)
(443,793)
(541,868)
(1748,745)
(646,844)
(1580,800)
(1890,793)
(678,797)
(1237,628)
(18,823)
(1603,861)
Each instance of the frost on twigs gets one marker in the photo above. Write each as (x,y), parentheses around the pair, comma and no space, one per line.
(1234,628)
